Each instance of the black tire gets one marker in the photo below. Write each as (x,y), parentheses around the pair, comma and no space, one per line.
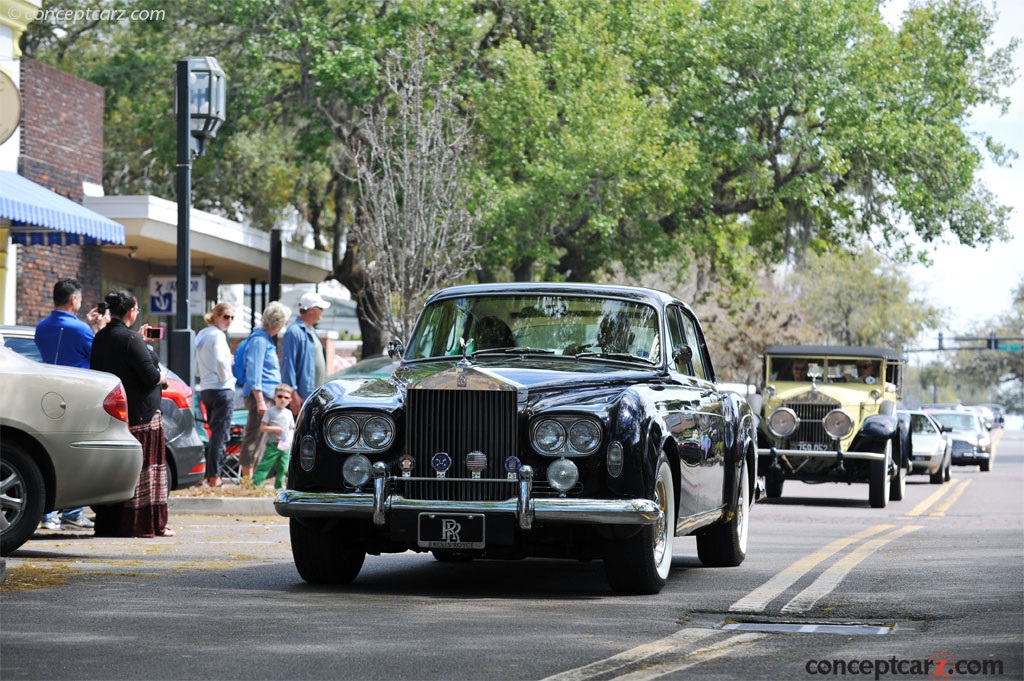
(22,497)
(939,476)
(641,563)
(985,466)
(898,485)
(725,544)
(949,465)
(878,483)
(773,481)
(325,556)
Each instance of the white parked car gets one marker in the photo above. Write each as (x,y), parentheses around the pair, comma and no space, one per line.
(931,449)
(64,442)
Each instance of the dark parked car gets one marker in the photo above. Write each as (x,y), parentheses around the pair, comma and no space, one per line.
(551,420)
(186,460)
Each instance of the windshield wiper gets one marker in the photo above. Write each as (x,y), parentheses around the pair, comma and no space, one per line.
(514,351)
(624,356)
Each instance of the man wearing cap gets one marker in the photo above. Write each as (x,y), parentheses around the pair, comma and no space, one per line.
(303,364)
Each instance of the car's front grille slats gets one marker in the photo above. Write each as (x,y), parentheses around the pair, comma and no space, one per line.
(811,431)
(458,422)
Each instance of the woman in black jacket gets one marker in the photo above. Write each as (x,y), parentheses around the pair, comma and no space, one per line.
(119,350)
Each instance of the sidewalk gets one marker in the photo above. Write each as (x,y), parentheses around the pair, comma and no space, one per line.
(228,500)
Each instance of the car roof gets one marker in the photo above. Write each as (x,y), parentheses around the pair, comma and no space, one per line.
(639,294)
(17,331)
(832,351)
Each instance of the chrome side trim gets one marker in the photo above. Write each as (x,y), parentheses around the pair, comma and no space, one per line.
(107,444)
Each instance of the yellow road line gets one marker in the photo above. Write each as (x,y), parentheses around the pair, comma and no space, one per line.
(634,655)
(941,509)
(758,599)
(691,659)
(635,664)
(830,578)
(945,489)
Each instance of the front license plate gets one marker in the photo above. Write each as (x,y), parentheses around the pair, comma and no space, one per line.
(451,530)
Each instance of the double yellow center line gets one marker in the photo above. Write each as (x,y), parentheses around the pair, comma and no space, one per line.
(954,489)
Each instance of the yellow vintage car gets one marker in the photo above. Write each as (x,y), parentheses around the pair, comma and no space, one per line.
(828,414)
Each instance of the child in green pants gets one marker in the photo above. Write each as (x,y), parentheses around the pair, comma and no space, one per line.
(279,423)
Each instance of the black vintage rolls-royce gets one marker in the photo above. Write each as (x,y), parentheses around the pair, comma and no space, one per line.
(556,420)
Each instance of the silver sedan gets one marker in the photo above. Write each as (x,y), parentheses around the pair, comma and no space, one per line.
(64,442)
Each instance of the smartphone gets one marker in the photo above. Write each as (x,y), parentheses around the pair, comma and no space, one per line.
(155,333)
(101,307)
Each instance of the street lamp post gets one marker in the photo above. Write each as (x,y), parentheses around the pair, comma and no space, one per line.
(199,107)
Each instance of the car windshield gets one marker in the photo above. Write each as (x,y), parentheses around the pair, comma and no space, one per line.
(556,325)
(827,369)
(956,421)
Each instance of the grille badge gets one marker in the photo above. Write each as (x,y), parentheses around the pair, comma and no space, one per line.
(476,462)
(441,463)
(407,463)
(512,466)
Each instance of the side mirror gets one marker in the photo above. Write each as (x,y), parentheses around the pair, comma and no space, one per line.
(395,350)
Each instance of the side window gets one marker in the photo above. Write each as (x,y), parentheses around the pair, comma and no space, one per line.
(676,340)
(696,343)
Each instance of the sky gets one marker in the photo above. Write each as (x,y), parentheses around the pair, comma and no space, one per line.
(977,284)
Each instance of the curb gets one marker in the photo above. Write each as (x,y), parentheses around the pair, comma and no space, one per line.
(263,506)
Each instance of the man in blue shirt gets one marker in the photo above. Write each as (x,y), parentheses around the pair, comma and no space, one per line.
(63,338)
(302,354)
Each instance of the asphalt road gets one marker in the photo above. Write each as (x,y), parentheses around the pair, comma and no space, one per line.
(831,589)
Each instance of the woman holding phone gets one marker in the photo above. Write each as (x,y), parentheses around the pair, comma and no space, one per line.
(119,350)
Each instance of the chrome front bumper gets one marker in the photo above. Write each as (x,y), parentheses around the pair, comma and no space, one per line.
(831,454)
(379,505)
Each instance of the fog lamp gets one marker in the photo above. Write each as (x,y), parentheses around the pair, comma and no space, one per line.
(563,474)
(356,470)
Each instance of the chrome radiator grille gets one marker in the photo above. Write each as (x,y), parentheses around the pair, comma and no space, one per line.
(811,432)
(459,422)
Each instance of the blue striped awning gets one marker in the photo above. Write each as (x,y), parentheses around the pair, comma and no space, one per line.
(40,216)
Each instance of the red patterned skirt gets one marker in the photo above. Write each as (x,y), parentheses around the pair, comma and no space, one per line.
(145,514)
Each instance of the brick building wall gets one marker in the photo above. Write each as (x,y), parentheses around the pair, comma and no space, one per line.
(61,147)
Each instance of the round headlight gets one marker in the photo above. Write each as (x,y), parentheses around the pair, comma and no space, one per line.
(584,436)
(783,422)
(342,432)
(356,470)
(838,424)
(378,432)
(307,453)
(549,436)
(563,474)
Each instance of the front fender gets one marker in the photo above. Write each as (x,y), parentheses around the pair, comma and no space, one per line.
(875,431)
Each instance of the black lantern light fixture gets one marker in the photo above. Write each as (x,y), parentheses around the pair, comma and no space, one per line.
(199,110)
(206,99)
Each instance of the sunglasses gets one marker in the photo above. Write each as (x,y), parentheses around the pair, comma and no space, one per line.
(228,316)
(282,397)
